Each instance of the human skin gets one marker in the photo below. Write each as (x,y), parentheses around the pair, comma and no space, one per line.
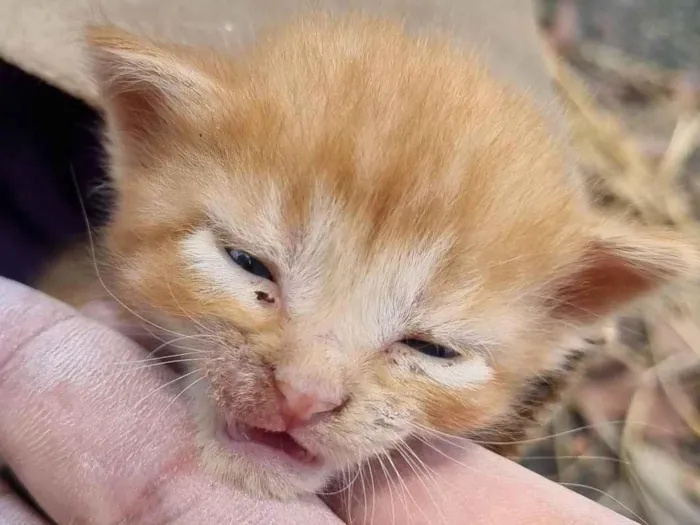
(99,439)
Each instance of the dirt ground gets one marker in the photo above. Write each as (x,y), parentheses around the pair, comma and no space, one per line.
(628,432)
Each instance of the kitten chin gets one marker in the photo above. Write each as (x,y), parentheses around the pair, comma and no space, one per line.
(363,237)
(256,468)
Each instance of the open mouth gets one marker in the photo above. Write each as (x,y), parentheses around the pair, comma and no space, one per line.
(278,441)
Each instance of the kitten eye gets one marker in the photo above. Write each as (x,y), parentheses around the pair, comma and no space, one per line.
(250,264)
(431,349)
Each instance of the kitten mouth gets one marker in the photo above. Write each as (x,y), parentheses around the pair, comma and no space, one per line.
(277,441)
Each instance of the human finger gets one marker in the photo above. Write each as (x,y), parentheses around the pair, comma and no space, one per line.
(459,483)
(13,511)
(95,441)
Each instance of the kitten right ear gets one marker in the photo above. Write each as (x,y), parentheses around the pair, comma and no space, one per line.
(622,264)
(145,85)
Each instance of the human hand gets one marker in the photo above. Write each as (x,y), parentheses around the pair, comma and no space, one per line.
(99,442)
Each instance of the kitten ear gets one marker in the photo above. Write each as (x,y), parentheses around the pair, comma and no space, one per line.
(620,265)
(145,85)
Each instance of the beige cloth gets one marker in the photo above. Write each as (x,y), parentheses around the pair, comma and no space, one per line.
(44,36)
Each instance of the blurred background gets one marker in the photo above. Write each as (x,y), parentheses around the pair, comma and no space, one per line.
(628,432)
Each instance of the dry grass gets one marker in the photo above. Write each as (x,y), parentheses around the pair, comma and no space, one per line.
(638,398)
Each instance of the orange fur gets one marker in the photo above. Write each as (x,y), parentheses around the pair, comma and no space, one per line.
(395,189)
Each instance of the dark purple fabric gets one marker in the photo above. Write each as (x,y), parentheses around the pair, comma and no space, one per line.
(48,142)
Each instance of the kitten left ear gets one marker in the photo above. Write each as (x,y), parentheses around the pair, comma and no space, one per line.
(620,265)
(145,85)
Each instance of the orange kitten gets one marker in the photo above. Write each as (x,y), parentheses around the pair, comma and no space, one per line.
(364,235)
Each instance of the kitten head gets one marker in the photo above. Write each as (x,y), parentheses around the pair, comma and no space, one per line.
(361,236)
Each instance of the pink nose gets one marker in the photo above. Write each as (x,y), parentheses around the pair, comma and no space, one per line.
(298,407)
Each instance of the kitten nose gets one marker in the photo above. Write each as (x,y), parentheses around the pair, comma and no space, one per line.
(298,407)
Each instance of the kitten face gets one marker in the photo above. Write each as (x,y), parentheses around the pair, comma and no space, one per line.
(388,191)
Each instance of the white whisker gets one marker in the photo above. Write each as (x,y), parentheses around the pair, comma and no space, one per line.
(391,490)
(406,490)
(162,363)
(93,253)
(451,438)
(161,387)
(154,359)
(612,498)
(182,392)
(374,494)
(364,497)
(410,463)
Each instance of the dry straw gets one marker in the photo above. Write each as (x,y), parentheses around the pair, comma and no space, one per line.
(650,475)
